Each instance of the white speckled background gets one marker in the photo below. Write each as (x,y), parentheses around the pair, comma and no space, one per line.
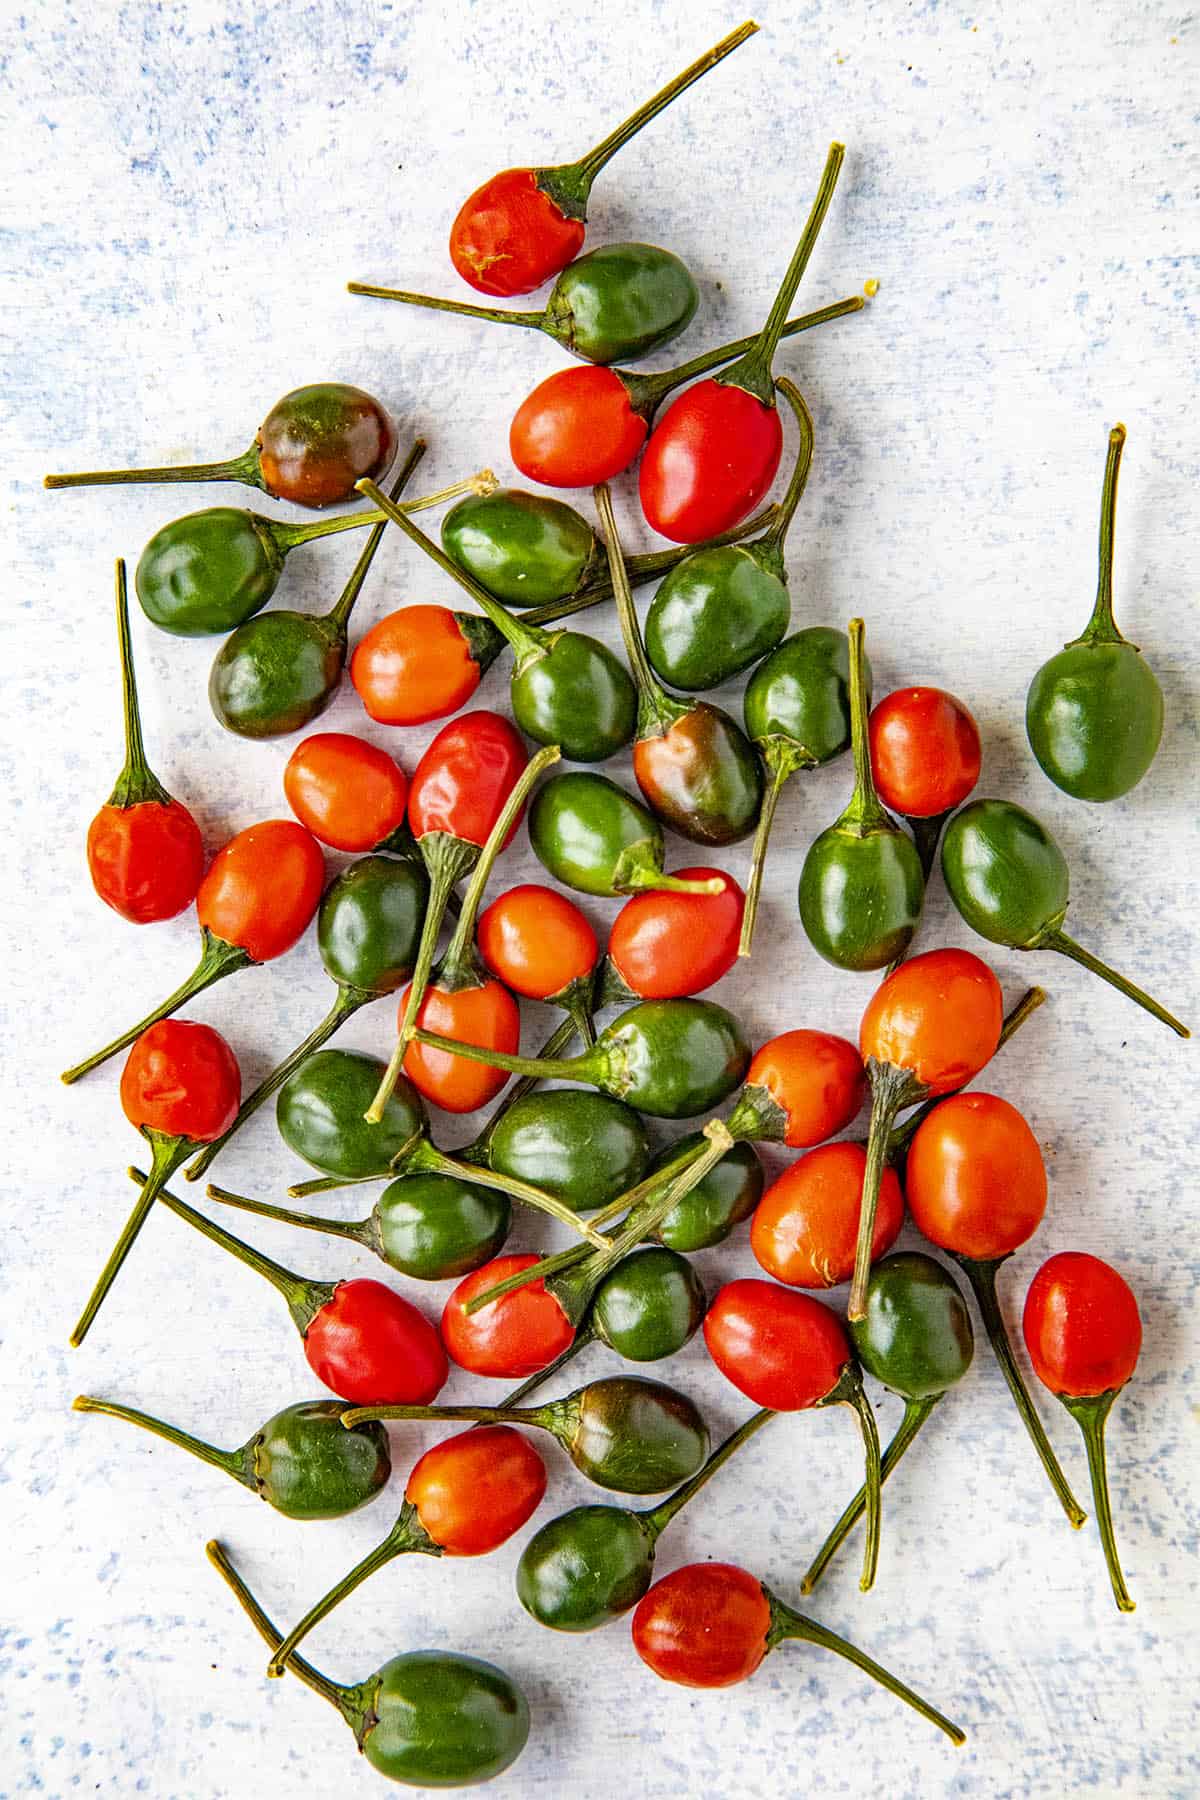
(188,188)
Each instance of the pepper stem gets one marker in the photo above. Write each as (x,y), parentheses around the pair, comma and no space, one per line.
(357,1231)
(426,1156)
(217,959)
(338,617)
(657,711)
(476,1152)
(541,1068)
(504,1414)
(167,1153)
(865,812)
(638,871)
(752,372)
(233,1462)
(892,1089)
(1101,628)
(347,1003)
(782,760)
(915,1414)
(333,1691)
(982,1277)
(1090,1413)
(1056,939)
(787,1624)
(137,782)
(287,537)
(584,1335)
(849,1392)
(647,392)
(245,467)
(406,1537)
(798,481)
(660,1516)
(532,321)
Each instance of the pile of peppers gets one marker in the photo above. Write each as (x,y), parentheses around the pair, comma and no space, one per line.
(410,913)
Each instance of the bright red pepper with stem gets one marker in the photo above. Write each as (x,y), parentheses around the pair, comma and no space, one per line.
(258,897)
(1083,1332)
(709,1625)
(805,1227)
(926,755)
(716,450)
(787,1352)
(348,793)
(513,1337)
(180,1088)
(665,946)
(422,663)
(525,225)
(543,947)
(458,791)
(144,850)
(976,1186)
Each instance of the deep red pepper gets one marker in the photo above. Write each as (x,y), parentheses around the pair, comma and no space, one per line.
(926,755)
(512,1337)
(665,946)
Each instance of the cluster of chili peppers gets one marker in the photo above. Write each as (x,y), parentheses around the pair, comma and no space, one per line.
(962,1165)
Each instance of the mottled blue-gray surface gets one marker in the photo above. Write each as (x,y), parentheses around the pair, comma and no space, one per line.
(188,187)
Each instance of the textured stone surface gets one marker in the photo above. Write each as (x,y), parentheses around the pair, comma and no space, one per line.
(188,188)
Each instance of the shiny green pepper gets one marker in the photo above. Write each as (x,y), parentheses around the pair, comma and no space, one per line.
(718,1203)
(650,1306)
(586,1148)
(594,837)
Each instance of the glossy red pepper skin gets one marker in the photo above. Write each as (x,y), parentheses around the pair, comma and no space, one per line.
(925,751)
(667,946)
(348,793)
(415,665)
(536,941)
(182,1080)
(1082,1327)
(262,888)
(513,1337)
(145,860)
(805,1227)
(509,237)
(368,1343)
(486,1015)
(461,783)
(576,428)
(710,459)
(815,1078)
(778,1347)
(705,1626)
(475,1489)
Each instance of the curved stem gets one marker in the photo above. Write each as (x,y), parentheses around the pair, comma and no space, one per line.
(865,812)
(531,321)
(1101,627)
(232,1462)
(849,1392)
(788,1625)
(657,711)
(426,1156)
(338,617)
(1058,940)
(407,1536)
(245,467)
(660,1516)
(798,481)
(915,1414)
(329,1184)
(576,1002)
(638,871)
(892,1089)
(476,1152)
(1091,1416)
(137,782)
(539,1271)
(358,1231)
(753,371)
(982,1277)
(333,1691)
(167,1154)
(647,392)
(780,768)
(217,959)
(347,1003)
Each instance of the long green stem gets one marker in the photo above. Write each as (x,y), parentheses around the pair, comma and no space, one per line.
(428,1158)
(657,711)
(789,1625)
(357,1231)
(849,1392)
(660,1516)
(460,949)
(505,1414)
(780,768)
(338,616)
(892,1089)
(1091,1416)
(333,1691)
(584,1336)
(1101,628)
(982,1277)
(531,321)
(287,537)
(232,1462)
(1058,940)
(245,467)
(407,1537)
(798,480)
(168,1153)
(915,1414)
(647,392)
(865,813)
(217,959)
(137,782)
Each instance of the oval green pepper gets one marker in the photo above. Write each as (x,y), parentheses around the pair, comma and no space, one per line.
(650,1306)
(718,1203)
(585,1148)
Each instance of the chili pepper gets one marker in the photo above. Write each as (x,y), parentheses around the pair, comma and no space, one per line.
(349,794)
(619,301)
(695,768)
(623,1432)
(670,946)
(311,448)
(368,927)
(459,789)
(862,886)
(302,1461)
(422,663)
(144,850)
(713,1209)
(524,225)
(586,1149)
(255,902)
(1010,881)
(594,837)
(363,1340)
(917,1340)
(180,1088)
(567,688)
(669,1058)
(797,711)
(512,1337)
(928,1028)
(208,572)
(925,755)
(539,944)
(590,1565)
(1094,713)
(430,1716)
(581,426)
(715,452)
(786,1351)
(805,1227)
(722,610)
(709,1625)
(976,1187)
(1083,1332)
(279,671)
(320,1116)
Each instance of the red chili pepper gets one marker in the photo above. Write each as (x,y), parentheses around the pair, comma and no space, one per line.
(1083,1332)
(926,755)
(257,899)
(459,790)
(806,1085)
(144,849)
(180,1087)
(349,794)
(716,450)
(524,225)
(541,946)
(787,1352)
(514,1336)
(665,946)
(422,663)
(805,1227)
